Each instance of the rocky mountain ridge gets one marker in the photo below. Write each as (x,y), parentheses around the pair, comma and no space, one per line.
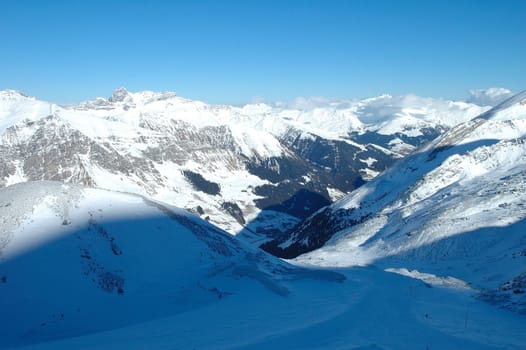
(238,167)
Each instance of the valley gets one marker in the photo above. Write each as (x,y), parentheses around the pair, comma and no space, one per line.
(135,222)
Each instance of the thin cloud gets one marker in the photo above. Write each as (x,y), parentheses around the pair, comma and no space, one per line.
(489,97)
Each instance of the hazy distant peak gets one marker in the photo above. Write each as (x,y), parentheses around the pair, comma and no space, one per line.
(119,95)
(12,94)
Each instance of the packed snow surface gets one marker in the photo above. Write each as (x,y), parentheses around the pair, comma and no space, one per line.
(85,268)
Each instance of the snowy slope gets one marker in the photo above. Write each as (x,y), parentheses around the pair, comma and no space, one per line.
(235,166)
(76,260)
(372,309)
(84,268)
(15,107)
(456,208)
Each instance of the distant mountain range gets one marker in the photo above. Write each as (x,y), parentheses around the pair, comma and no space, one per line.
(256,170)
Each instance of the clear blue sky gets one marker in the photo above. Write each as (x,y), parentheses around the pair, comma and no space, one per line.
(236,51)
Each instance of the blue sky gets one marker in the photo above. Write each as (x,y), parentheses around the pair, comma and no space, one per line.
(234,52)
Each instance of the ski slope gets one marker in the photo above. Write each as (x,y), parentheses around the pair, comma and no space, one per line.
(84,268)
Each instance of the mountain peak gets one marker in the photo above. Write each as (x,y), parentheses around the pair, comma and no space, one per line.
(120,95)
(13,94)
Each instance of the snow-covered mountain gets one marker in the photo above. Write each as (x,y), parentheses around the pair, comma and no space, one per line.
(77,260)
(255,170)
(85,268)
(456,208)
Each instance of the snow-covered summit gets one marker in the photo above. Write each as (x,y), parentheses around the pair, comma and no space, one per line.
(337,119)
(120,95)
(12,95)
(15,106)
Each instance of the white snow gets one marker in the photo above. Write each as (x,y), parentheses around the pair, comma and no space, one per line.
(86,268)
(129,123)
(429,278)
(17,177)
(335,194)
(455,209)
(360,313)
(16,107)
(388,114)
(100,118)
